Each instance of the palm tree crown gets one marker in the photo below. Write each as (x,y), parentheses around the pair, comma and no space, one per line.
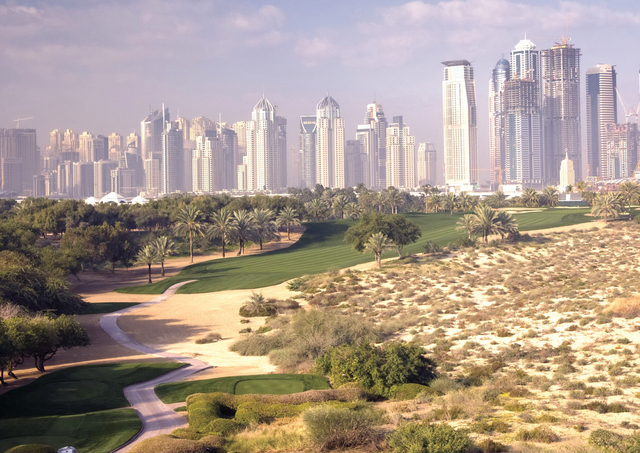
(188,223)
(607,205)
(244,228)
(163,247)
(486,222)
(287,217)
(377,244)
(265,227)
(222,226)
(147,256)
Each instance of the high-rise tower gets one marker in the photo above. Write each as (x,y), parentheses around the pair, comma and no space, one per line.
(601,110)
(262,148)
(400,155)
(561,109)
(460,125)
(308,149)
(329,144)
(172,163)
(373,138)
(523,144)
(501,73)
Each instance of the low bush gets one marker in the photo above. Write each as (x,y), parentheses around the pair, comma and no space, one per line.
(166,443)
(331,428)
(490,446)
(628,307)
(432,247)
(211,337)
(31,448)
(425,438)
(603,438)
(540,434)
(255,412)
(411,391)
(488,426)
(223,427)
(604,408)
(201,413)
(249,311)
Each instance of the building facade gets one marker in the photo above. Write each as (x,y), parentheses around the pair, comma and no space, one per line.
(620,154)
(400,155)
(501,74)
(262,148)
(601,110)
(308,150)
(426,164)
(329,144)
(460,125)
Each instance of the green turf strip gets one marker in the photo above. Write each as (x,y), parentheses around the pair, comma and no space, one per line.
(78,390)
(277,384)
(98,308)
(322,247)
(96,432)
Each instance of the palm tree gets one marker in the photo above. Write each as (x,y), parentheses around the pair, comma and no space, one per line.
(394,198)
(265,227)
(381,200)
(607,205)
(630,193)
(467,222)
(427,190)
(244,228)
(339,204)
(435,198)
(550,196)
(327,196)
(569,188)
(316,208)
(377,244)
(486,222)
(449,202)
(287,217)
(530,198)
(506,224)
(353,210)
(147,255)
(588,197)
(465,201)
(222,226)
(163,247)
(188,223)
(581,186)
(498,199)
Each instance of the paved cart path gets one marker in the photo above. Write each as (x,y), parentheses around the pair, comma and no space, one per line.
(157,417)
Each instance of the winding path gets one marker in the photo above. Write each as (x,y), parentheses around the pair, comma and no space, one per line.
(157,417)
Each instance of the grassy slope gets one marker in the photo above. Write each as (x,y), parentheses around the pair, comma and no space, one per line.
(279,384)
(78,390)
(322,247)
(99,308)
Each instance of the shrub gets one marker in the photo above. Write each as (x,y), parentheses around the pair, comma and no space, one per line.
(424,438)
(249,311)
(169,444)
(628,307)
(377,368)
(297,284)
(490,446)
(31,448)
(211,337)
(223,427)
(187,433)
(201,413)
(603,438)
(330,428)
(540,434)
(432,247)
(255,412)
(487,426)
(410,391)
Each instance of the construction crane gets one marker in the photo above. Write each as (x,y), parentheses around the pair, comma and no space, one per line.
(628,112)
(17,120)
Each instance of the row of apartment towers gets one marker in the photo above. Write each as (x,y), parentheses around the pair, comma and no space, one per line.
(534,110)
(204,156)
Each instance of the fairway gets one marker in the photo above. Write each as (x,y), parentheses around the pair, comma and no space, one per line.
(272,384)
(322,247)
(97,432)
(78,390)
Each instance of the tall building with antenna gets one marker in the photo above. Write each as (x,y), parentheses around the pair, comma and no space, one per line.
(329,144)
(601,110)
(561,109)
(460,125)
(262,148)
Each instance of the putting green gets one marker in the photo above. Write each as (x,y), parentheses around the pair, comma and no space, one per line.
(60,392)
(273,387)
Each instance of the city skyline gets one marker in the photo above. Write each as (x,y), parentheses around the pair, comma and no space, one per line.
(304,54)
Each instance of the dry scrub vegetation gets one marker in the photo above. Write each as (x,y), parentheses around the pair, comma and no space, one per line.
(535,342)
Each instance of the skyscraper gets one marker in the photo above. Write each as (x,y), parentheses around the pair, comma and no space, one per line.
(172,163)
(281,124)
(262,148)
(620,155)
(55,142)
(501,73)
(561,109)
(115,142)
(151,129)
(199,125)
(373,137)
(426,164)
(308,150)
(460,125)
(356,164)
(329,144)
(601,110)
(18,147)
(400,155)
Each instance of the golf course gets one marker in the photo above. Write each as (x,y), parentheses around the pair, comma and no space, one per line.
(322,247)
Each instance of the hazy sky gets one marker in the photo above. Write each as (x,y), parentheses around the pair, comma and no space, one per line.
(98,65)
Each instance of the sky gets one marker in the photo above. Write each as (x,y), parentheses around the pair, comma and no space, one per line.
(100,65)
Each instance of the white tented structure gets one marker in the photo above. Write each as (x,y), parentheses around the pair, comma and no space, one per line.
(139,200)
(92,201)
(113,198)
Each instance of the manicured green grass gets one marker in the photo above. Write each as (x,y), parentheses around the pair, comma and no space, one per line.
(273,384)
(79,390)
(100,308)
(97,432)
(322,247)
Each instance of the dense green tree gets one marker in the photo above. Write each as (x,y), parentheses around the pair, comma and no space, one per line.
(188,223)
(353,210)
(400,230)
(316,209)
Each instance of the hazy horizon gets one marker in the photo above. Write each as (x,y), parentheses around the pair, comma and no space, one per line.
(99,66)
